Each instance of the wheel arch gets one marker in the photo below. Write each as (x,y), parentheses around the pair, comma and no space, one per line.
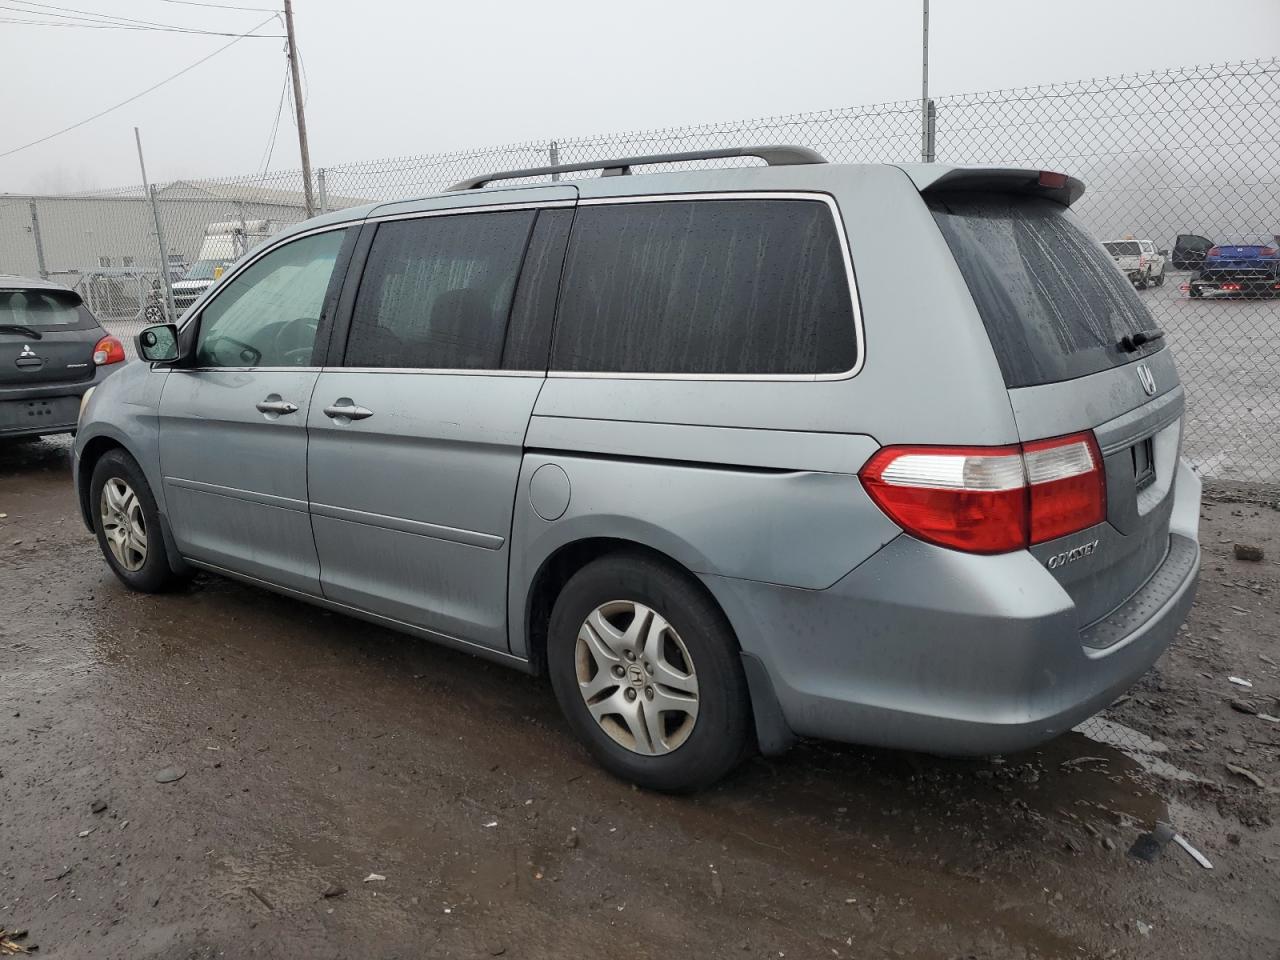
(94,450)
(773,734)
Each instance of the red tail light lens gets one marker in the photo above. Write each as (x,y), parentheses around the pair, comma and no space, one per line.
(1067,485)
(990,499)
(1052,181)
(1233,287)
(108,350)
(1267,252)
(1214,252)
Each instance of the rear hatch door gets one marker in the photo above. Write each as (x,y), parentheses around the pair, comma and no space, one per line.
(1062,320)
(47,335)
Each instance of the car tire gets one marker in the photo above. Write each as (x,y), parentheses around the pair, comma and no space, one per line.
(1142,281)
(684,639)
(127,523)
(1159,280)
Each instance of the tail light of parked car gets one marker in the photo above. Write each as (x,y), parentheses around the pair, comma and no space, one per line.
(1267,252)
(1214,252)
(991,499)
(108,350)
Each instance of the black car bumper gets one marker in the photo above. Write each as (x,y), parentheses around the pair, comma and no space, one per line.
(32,410)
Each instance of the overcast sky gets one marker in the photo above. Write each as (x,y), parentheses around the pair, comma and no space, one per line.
(396,78)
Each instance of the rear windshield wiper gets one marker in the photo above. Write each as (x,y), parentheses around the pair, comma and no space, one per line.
(19,328)
(1131,342)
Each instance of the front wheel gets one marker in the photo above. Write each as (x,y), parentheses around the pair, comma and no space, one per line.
(127,522)
(648,674)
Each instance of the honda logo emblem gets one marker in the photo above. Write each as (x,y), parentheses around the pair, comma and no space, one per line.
(1147,379)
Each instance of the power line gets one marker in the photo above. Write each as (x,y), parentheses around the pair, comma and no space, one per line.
(220,6)
(48,10)
(122,103)
(125,26)
(275,127)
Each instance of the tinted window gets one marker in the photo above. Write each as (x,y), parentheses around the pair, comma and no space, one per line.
(268,315)
(44,308)
(1052,300)
(532,314)
(436,292)
(705,286)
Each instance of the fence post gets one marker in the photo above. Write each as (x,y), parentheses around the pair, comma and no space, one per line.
(164,258)
(35,235)
(323,189)
(930,131)
(553,152)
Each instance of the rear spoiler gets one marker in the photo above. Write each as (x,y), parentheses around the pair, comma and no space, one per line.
(66,295)
(933,178)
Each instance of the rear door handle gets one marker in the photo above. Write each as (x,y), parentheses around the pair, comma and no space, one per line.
(273,404)
(344,411)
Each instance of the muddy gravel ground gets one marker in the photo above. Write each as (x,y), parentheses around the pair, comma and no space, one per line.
(319,751)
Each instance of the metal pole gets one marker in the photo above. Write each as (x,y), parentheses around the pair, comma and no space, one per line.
(554,153)
(323,189)
(35,234)
(297,105)
(155,215)
(925,145)
(930,131)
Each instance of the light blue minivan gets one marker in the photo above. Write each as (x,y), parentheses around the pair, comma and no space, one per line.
(883,454)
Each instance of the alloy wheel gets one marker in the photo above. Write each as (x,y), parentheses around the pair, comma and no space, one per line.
(636,677)
(123,524)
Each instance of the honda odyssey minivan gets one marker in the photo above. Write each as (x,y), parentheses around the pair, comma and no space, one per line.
(882,454)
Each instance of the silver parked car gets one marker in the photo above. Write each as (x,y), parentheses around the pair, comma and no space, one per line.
(883,454)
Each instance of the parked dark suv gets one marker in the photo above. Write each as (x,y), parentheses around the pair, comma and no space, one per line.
(52,352)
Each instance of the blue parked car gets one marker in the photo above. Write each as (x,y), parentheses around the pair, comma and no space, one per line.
(1239,270)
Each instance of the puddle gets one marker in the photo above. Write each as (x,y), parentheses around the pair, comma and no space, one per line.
(1138,747)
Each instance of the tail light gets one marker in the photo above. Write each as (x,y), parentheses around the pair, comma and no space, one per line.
(1051,180)
(991,499)
(108,350)
(1142,259)
(1214,252)
(1232,287)
(1267,252)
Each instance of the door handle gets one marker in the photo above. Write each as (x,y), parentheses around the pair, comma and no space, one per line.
(344,411)
(273,404)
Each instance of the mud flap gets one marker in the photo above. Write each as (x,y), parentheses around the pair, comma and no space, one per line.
(773,735)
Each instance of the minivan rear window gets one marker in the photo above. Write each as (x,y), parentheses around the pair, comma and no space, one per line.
(1054,304)
(710,286)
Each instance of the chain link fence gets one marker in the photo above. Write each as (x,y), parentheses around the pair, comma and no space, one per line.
(1185,158)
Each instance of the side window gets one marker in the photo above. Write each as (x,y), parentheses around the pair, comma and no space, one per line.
(706,286)
(533,312)
(436,291)
(269,314)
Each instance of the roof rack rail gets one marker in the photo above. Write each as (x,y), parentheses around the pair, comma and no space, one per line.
(774,155)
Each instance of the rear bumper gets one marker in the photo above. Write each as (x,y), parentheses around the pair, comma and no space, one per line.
(41,408)
(930,649)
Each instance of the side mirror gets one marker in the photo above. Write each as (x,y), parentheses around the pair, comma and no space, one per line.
(158,343)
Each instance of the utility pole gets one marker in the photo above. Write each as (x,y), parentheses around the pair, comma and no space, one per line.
(150,191)
(297,104)
(926,138)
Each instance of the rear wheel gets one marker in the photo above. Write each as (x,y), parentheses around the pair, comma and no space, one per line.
(1159,280)
(127,522)
(647,672)
(1141,282)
